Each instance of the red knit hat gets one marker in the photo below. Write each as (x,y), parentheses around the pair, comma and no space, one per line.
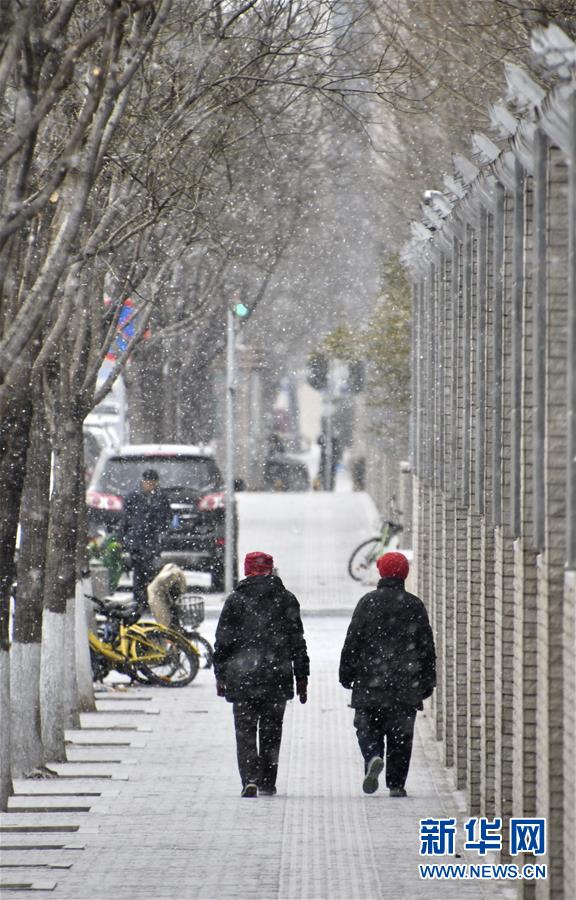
(393,565)
(258,563)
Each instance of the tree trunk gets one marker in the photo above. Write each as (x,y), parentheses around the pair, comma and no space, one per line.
(6,788)
(86,701)
(27,750)
(13,442)
(14,428)
(53,667)
(58,677)
(70,684)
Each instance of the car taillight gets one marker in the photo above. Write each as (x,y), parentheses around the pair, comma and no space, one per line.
(104,501)
(211,501)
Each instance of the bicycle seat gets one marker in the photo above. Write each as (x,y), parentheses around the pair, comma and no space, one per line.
(127,611)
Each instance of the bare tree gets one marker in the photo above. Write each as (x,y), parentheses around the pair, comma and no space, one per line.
(122,121)
(63,79)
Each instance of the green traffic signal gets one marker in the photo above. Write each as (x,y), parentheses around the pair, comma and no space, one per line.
(241,310)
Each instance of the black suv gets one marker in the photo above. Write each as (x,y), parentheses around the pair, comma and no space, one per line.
(190,478)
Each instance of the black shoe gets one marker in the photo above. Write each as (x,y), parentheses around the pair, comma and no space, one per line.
(267,791)
(370,783)
(249,790)
(398,792)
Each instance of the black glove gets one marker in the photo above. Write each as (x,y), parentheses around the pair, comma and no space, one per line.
(302,689)
(220,688)
(347,685)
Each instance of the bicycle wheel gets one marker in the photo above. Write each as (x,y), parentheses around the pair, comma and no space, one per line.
(362,563)
(164,657)
(203,648)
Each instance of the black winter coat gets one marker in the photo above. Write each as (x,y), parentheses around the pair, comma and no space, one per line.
(388,655)
(260,646)
(146,518)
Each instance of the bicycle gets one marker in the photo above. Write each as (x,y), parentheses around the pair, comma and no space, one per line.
(362,562)
(186,613)
(145,651)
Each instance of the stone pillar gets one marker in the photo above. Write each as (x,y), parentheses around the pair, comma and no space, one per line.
(444,641)
(475,364)
(439,552)
(504,602)
(525,548)
(487,630)
(550,789)
(569,629)
(459,553)
(521,508)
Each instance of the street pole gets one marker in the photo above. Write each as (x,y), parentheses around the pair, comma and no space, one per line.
(329,431)
(229,509)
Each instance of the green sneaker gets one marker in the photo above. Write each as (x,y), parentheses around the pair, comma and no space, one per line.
(370,783)
(249,790)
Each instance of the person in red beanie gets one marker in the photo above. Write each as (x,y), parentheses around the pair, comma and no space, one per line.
(389,661)
(259,652)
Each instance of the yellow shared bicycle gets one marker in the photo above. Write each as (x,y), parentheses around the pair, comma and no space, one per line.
(145,651)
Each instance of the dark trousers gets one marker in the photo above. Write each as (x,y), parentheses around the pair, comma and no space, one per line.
(390,725)
(144,570)
(258,734)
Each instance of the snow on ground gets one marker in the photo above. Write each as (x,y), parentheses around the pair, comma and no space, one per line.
(311,536)
(177,828)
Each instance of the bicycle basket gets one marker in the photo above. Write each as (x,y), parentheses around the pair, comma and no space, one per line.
(190,610)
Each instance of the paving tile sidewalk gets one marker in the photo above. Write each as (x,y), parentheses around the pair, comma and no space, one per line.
(177,828)
(171,824)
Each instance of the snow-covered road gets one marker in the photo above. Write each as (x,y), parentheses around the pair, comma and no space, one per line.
(311,537)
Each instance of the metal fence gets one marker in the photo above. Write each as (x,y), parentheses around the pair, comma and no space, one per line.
(493,267)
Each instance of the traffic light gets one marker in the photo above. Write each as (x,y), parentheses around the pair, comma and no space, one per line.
(241,310)
(317,371)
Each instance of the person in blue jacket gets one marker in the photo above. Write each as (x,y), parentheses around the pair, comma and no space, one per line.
(146,518)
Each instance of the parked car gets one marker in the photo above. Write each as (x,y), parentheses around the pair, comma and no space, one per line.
(192,481)
(108,416)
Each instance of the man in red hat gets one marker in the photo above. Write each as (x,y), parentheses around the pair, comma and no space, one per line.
(259,652)
(389,661)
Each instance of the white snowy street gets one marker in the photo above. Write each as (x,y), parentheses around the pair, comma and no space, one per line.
(149,803)
(311,536)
